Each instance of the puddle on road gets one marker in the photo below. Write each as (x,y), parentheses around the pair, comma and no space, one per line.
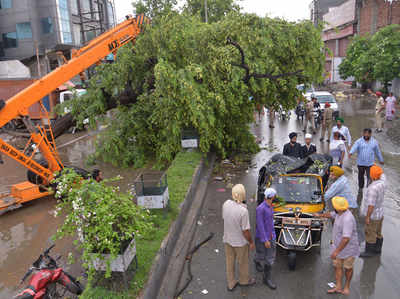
(25,232)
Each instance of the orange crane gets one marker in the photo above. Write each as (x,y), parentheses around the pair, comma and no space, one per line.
(41,173)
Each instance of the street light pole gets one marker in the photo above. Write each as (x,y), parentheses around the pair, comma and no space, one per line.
(205,11)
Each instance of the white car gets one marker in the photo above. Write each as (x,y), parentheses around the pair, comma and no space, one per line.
(68,95)
(324,97)
(306,90)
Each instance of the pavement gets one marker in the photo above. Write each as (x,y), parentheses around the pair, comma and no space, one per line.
(376,277)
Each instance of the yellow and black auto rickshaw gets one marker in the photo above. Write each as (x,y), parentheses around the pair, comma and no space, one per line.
(300,187)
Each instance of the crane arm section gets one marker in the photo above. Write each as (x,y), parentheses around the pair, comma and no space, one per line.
(97,49)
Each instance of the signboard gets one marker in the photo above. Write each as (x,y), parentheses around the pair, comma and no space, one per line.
(154,201)
(189,143)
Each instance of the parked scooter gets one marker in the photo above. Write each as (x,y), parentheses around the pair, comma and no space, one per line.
(46,276)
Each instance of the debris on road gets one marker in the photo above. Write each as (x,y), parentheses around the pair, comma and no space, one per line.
(205,292)
(221,190)
(218,178)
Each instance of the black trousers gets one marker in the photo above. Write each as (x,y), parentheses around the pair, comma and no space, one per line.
(362,171)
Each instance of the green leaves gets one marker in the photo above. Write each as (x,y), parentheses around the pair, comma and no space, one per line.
(181,74)
(374,58)
(102,218)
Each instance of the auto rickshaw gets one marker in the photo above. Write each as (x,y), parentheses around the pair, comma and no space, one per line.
(300,186)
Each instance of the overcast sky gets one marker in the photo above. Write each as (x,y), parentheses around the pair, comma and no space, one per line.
(289,9)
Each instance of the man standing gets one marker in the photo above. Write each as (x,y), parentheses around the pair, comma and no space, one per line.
(237,238)
(366,148)
(292,149)
(265,237)
(327,122)
(341,187)
(345,243)
(308,148)
(379,111)
(309,116)
(271,116)
(344,132)
(373,212)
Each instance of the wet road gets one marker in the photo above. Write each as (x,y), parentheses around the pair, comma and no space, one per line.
(25,232)
(373,278)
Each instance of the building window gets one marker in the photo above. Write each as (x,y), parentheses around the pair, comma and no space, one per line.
(85,6)
(9,40)
(74,7)
(24,30)
(76,29)
(89,35)
(110,12)
(63,12)
(5,4)
(47,25)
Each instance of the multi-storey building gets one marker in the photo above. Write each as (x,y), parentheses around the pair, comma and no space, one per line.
(33,28)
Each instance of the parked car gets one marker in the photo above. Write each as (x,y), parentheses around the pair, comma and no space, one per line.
(324,97)
(68,95)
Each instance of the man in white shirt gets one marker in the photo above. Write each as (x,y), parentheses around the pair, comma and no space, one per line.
(237,238)
(344,132)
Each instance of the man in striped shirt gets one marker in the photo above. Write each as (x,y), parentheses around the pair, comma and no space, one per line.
(366,148)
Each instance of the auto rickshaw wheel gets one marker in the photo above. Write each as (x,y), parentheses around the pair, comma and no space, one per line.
(292,260)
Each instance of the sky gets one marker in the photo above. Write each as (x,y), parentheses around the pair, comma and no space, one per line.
(291,10)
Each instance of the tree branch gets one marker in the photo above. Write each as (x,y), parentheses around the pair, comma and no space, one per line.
(249,75)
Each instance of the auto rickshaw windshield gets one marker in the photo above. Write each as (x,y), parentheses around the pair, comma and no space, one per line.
(298,189)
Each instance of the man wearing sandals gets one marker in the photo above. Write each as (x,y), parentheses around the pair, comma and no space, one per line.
(345,246)
(237,238)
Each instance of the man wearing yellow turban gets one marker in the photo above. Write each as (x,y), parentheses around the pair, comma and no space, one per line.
(345,246)
(341,187)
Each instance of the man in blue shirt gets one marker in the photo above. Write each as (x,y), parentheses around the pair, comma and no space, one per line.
(366,148)
(341,187)
(265,237)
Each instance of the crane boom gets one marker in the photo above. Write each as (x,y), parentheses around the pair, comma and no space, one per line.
(41,173)
(85,57)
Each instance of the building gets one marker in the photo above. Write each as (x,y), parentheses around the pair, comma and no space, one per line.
(340,25)
(376,14)
(32,31)
(320,7)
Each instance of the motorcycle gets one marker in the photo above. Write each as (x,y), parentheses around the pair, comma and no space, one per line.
(45,279)
(283,114)
(300,111)
(317,114)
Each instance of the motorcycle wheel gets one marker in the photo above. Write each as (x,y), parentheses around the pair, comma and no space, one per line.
(292,260)
(72,285)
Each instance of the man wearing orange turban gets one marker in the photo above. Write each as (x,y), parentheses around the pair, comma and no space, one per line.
(373,212)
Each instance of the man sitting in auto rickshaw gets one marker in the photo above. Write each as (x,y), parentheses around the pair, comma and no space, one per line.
(292,148)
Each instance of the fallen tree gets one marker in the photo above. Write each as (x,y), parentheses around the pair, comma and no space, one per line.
(183,73)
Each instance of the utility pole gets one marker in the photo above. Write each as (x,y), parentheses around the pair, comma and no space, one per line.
(205,11)
(38,59)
